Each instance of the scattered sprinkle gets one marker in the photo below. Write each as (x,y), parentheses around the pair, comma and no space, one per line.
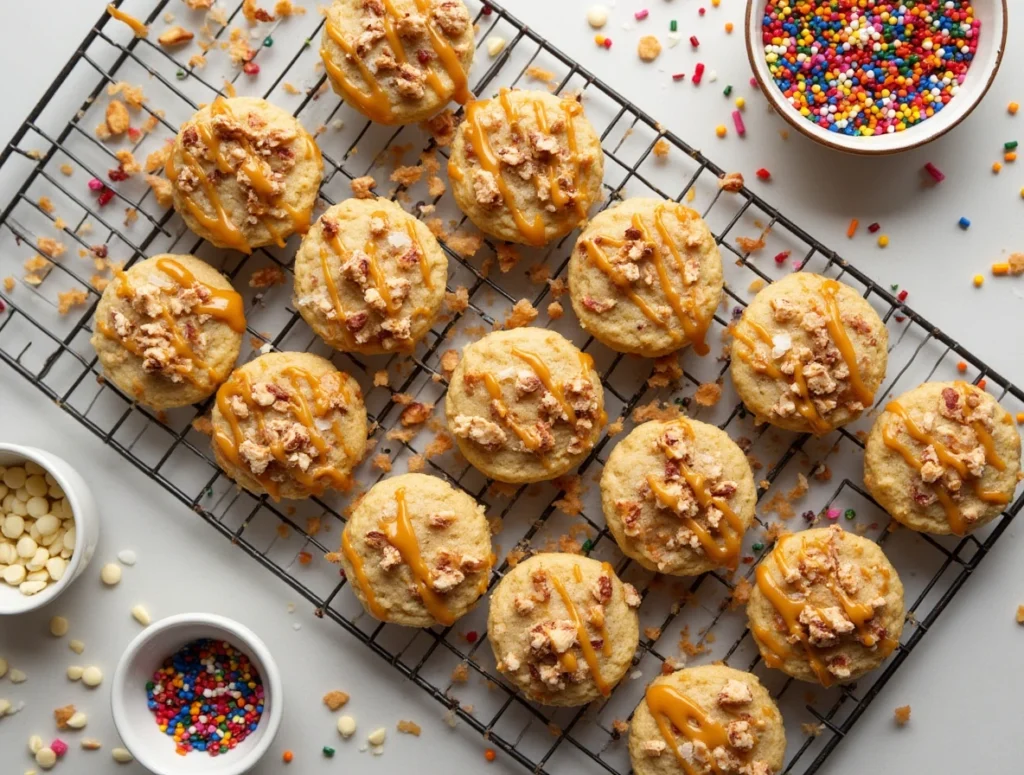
(964,223)
(1013,107)
(996,168)
(852,228)
(763,174)
(741,103)
(641,14)
(935,172)
(698,73)
(490,754)
(721,130)
(287,757)
(694,41)
(737,120)
(978,280)
(328,751)
(883,241)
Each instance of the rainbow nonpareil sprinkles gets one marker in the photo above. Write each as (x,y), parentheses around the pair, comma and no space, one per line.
(869,68)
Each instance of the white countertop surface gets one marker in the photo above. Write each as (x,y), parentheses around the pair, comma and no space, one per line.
(962,681)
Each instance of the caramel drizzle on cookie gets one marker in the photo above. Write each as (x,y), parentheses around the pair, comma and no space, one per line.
(790,609)
(567,660)
(726,552)
(360,572)
(224,305)
(221,224)
(695,326)
(376,104)
(803,402)
(673,710)
(239,385)
(956,519)
(836,329)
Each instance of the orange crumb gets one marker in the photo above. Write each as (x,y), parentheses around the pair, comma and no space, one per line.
(522,314)
(661,148)
(740,594)
(466,245)
(811,729)
(902,715)
(335,699)
(46,205)
(508,257)
(67,300)
(708,394)
(362,188)
(655,410)
(1020,614)
(749,244)
(555,310)
(382,462)
(755,285)
(409,728)
(457,301)
(9,283)
(540,74)
(460,674)
(380,378)
(267,277)
(570,502)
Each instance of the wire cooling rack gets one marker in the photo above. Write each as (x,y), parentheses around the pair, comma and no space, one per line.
(55,153)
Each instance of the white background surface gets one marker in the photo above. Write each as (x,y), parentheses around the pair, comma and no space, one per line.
(964,679)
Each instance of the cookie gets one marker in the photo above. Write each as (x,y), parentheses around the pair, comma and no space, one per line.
(168,330)
(645,277)
(827,606)
(289,425)
(526,166)
(943,458)
(525,405)
(398,61)
(678,496)
(563,628)
(244,174)
(417,551)
(809,354)
(707,719)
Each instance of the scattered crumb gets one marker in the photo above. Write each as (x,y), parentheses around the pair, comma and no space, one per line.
(50,247)
(161,190)
(380,378)
(902,715)
(655,410)
(538,274)
(254,13)
(132,95)
(812,730)
(652,633)
(460,674)
(267,277)
(197,61)
(540,74)
(661,148)
(755,285)
(67,170)
(749,244)
(61,715)
(466,245)
(335,699)
(285,8)
(441,127)
(799,489)
(708,394)
(508,257)
(558,286)
(740,594)
(667,371)
(457,301)
(774,531)
(688,647)
(570,502)
(68,300)
(409,728)
(615,428)
(174,36)
(117,120)
(46,205)
(620,727)
(362,188)
(648,48)
(731,182)
(1020,608)
(449,360)
(522,314)
(156,160)
(555,310)
(9,283)
(407,176)
(779,504)
(382,462)
(131,215)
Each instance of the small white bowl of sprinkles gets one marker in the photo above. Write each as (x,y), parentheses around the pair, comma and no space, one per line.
(49,527)
(197,694)
(875,80)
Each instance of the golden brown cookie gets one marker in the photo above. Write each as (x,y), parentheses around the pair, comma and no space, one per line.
(168,330)
(417,551)
(525,405)
(827,606)
(943,458)
(289,425)
(244,174)
(707,719)
(369,277)
(678,497)
(398,61)
(646,278)
(808,354)
(526,166)
(563,628)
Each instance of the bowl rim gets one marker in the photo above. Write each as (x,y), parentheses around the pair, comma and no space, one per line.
(774,95)
(249,641)
(52,592)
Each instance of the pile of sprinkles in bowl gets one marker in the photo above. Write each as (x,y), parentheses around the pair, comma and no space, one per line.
(869,68)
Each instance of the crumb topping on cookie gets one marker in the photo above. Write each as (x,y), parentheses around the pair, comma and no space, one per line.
(858,591)
(645,268)
(382,272)
(259,158)
(403,50)
(823,376)
(692,489)
(950,445)
(699,742)
(552,646)
(535,393)
(504,140)
(396,546)
(161,319)
(285,427)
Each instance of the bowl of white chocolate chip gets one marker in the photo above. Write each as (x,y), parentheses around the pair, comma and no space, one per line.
(49,527)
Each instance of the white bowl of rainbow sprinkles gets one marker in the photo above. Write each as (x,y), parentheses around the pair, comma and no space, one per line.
(876,80)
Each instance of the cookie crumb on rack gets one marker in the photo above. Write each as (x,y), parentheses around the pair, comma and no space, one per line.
(522,314)
(458,300)
(335,699)
(508,257)
(740,594)
(648,48)
(666,371)
(811,729)
(708,394)
(267,277)
(902,715)
(555,310)
(661,148)
(409,728)
(542,75)
(362,187)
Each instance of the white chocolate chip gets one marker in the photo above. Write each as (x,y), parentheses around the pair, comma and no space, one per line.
(14,574)
(5,707)
(14,477)
(75,672)
(76,645)
(33,468)
(36,486)
(495,45)
(37,507)
(38,561)
(111,574)
(78,720)
(26,547)
(18,677)
(35,744)
(141,615)
(56,566)
(3,667)
(346,726)
(28,588)
(92,676)
(597,16)
(122,755)
(47,524)
(13,527)
(90,744)
(126,557)
(58,626)
(377,736)
(46,758)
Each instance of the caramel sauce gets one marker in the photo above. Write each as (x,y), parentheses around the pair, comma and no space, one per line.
(527,435)
(600,260)
(582,637)
(364,585)
(332,291)
(376,104)
(223,305)
(991,456)
(140,29)
(540,368)
(836,329)
(673,710)
(400,534)
(803,402)
(790,610)
(694,325)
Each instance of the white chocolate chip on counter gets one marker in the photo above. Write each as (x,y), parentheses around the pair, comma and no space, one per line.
(597,16)
(376,737)
(127,557)
(5,707)
(90,744)
(75,672)
(18,677)
(346,726)
(92,676)
(76,645)
(78,720)
(122,755)
(58,626)
(495,45)
(141,615)
(35,744)
(46,758)
(110,574)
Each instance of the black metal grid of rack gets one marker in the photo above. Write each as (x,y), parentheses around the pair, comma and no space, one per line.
(51,350)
